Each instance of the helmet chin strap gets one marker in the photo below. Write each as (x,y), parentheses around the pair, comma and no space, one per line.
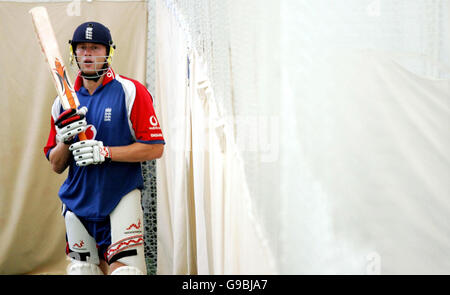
(91,77)
(98,74)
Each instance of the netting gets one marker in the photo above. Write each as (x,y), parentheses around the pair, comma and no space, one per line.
(241,50)
(285,77)
(149,192)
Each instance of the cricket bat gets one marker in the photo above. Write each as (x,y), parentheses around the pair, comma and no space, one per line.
(47,40)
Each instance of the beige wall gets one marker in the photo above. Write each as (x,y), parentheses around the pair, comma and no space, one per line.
(31,228)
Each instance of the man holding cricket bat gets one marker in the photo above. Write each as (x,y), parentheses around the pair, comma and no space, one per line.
(101,195)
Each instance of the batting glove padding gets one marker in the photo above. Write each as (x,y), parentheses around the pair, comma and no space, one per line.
(89,152)
(69,124)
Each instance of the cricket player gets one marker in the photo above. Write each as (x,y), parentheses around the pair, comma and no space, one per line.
(101,196)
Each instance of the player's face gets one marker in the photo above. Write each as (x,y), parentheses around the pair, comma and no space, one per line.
(91,57)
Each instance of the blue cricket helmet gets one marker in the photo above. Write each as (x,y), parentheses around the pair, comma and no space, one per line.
(92,32)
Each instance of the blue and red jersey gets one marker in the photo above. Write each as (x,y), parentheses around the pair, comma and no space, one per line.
(120,112)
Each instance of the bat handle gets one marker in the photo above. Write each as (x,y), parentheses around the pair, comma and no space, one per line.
(82,136)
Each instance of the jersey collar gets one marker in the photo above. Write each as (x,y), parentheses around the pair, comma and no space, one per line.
(109,76)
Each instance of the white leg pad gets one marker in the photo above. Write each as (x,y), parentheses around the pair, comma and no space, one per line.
(81,243)
(127,232)
(127,270)
(83,268)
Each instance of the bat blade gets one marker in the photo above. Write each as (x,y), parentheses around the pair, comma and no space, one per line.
(49,46)
(50,49)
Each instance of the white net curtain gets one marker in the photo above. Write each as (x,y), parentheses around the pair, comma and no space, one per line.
(304,137)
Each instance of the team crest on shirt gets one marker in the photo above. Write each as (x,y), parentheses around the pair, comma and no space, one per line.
(107,116)
(91,132)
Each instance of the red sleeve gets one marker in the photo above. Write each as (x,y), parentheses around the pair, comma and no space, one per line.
(51,141)
(143,118)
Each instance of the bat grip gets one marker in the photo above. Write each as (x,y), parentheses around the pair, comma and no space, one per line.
(82,136)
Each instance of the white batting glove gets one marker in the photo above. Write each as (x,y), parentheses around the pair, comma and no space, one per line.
(89,152)
(69,124)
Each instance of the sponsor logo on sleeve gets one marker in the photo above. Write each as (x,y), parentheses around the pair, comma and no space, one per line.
(153,123)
